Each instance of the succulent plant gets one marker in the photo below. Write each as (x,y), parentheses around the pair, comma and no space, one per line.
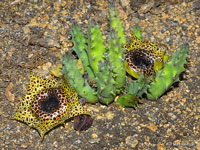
(104,66)
(100,65)
(50,102)
(162,73)
(164,78)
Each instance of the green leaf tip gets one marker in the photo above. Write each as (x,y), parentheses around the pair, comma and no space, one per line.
(115,23)
(135,90)
(138,33)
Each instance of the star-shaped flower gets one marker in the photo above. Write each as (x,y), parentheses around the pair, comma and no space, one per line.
(48,103)
(144,57)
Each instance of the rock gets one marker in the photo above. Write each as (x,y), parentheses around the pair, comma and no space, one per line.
(92,141)
(146,7)
(125,3)
(110,115)
(196,6)
(132,141)
(172,116)
(82,122)
(44,42)
(8,94)
(136,4)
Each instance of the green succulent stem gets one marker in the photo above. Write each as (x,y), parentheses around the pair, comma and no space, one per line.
(73,74)
(105,83)
(138,33)
(80,47)
(115,23)
(100,65)
(96,49)
(169,74)
(116,58)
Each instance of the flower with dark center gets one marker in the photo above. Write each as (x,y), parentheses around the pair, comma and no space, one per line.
(144,57)
(48,103)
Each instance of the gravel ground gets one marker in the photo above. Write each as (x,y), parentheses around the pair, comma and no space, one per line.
(33,34)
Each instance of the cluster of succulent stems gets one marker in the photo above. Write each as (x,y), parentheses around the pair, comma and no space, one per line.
(100,72)
(97,73)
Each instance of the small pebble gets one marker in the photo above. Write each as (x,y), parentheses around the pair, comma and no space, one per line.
(92,141)
(172,116)
(132,141)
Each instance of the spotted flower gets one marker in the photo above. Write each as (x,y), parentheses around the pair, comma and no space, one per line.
(144,57)
(48,103)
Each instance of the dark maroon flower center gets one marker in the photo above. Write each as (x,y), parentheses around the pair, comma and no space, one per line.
(141,60)
(50,105)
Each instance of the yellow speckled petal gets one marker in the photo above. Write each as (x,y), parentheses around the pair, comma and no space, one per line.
(134,43)
(37,84)
(78,109)
(132,71)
